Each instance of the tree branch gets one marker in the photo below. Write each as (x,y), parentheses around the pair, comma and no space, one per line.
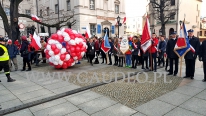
(155,3)
(45,24)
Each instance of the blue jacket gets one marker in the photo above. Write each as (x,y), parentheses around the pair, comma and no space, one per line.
(162,46)
(12,50)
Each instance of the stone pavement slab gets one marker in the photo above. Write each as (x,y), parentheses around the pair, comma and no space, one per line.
(7,97)
(138,114)
(47,105)
(58,110)
(201,95)
(188,90)
(195,105)
(174,98)
(27,89)
(116,110)
(11,103)
(78,113)
(96,105)
(4,92)
(65,89)
(84,97)
(56,85)
(25,112)
(197,84)
(155,108)
(181,112)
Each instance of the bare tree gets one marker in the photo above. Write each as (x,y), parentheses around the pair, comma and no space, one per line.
(49,20)
(163,11)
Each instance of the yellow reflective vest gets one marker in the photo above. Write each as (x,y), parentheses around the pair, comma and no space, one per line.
(5,56)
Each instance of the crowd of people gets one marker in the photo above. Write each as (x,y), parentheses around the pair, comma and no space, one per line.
(161,53)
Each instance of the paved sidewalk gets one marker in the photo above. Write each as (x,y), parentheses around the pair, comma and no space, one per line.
(187,100)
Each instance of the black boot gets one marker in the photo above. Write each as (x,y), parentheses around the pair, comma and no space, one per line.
(23,69)
(9,79)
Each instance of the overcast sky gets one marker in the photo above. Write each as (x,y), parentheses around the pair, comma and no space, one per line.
(138,8)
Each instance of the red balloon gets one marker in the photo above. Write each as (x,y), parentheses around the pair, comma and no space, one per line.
(47,52)
(80,44)
(62,57)
(79,57)
(53,47)
(64,66)
(67,47)
(72,36)
(70,60)
(60,39)
(54,36)
(68,64)
(72,49)
(78,54)
(69,31)
(73,54)
(83,49)
(78,49)
(47,56)
(56,51)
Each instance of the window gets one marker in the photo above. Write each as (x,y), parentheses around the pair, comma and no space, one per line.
(116,9)
(47,11)
(68,5)
(28,12)
(205,33)
(92,29)
(172,2)
(56,9)
(172,16)
(200,33)
(92,5)
(41,12)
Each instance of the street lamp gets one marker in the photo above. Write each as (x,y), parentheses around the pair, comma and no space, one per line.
(119,24)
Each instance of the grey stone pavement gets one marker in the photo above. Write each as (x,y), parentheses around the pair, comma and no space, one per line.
(189,99)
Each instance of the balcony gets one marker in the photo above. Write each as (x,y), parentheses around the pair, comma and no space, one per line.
(169,22)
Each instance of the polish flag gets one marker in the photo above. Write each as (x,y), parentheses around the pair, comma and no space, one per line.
(124,21)
(35,18)
(87,33)
(146,37)
(35,41)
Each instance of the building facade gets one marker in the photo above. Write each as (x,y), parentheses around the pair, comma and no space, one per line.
(202,35)
(134,26)
(184,9)
(25,7)
(97,15)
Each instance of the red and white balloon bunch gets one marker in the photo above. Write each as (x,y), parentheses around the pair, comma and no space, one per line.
(65,48)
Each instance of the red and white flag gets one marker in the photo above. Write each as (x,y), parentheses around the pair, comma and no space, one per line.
(35,41)
(146,37)
(124,21)
(35,18)
(87,33)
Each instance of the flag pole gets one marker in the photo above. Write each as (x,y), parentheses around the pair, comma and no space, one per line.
(151,61)
(180,66)
(107,58)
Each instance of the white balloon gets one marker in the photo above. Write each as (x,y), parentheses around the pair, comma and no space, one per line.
(59,46)
(74,31)
(57,57)
(50,60)
(55,63)
(67,39)
(77,40)
(76,61)
(50,41)
(82,54)
(67,57)
(73,63)
(75,58)
(60,62)
(56,42)
(72,42)
(62,30)
(59,32)
(63,50)
(64,34)
(48,47)
(51,53)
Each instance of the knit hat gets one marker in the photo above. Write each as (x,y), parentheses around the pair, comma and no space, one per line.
(9,41)
(23,37)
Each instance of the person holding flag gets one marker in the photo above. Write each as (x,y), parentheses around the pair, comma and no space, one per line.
(106,46)
(110,51)
(171,54)
(190,56)
(153,52)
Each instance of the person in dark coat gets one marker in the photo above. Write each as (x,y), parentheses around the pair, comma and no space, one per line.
(12,50)
(25,53)
(202,57)
(96,47)
(190,57)
(87,53)
(172,55)
(161,51)
(115,51)
(91,51)
(110,51)
(135,51)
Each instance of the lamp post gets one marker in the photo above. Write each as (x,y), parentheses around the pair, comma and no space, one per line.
(119,24)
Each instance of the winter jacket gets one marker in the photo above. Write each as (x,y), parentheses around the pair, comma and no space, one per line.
(170,48)
(153,48)
(112,47)
(202,51)
(12,50)
(135,48)
(91,50)
(195,43)
(96,46)
(24,47)
(162,46)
